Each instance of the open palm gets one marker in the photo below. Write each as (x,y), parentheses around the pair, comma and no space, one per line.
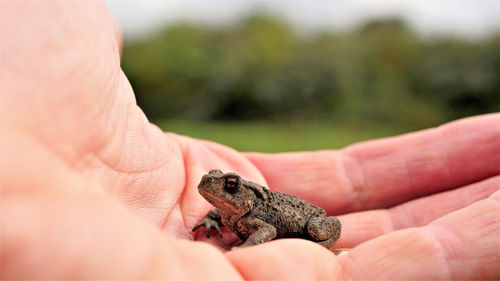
(91,189)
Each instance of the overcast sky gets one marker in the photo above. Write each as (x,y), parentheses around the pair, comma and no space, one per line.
(470,18)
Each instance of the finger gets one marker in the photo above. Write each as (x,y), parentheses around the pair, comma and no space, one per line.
(87,233)
(386,172)
(68,82)
(363,226)
(70,57)
(285,259)
(125,247)
(118,35)
(461,245)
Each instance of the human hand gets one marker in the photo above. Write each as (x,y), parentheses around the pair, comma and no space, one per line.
(90,189)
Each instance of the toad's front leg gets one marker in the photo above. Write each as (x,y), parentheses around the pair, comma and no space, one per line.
(211,220)
(256,230)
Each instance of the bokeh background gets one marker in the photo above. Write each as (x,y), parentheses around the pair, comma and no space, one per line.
(303,75)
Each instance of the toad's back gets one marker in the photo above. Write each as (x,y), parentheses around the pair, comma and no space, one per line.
(287,213)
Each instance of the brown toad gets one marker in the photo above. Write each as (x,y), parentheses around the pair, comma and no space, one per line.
(257,214)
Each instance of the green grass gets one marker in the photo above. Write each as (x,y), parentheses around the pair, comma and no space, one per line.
(277,137)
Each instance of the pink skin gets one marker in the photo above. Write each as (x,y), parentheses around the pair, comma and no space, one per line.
(92,190)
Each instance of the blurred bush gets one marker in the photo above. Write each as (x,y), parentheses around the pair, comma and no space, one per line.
(380,73)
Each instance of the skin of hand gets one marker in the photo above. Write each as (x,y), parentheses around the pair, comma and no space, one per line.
(91,190)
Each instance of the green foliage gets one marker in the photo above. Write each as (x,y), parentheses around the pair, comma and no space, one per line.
(463,78)
(278,137)
(259,69)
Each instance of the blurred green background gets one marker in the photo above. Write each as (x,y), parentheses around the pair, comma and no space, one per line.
(259,85)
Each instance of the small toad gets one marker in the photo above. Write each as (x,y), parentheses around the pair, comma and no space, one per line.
(257,214)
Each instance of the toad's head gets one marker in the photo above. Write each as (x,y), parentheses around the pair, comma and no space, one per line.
(228,192)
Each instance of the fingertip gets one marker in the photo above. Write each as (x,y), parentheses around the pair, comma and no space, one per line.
(118,35)
(202,261)
(285,259)
(406,254)
(116,30)
(463,244)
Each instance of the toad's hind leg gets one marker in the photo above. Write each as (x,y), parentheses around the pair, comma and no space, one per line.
(324,230)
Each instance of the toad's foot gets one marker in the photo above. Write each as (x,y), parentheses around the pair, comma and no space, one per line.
(324,230)
(208,223)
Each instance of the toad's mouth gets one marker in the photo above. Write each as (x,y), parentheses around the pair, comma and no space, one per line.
(219,202)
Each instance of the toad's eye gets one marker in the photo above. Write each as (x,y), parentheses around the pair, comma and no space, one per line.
(232,184)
